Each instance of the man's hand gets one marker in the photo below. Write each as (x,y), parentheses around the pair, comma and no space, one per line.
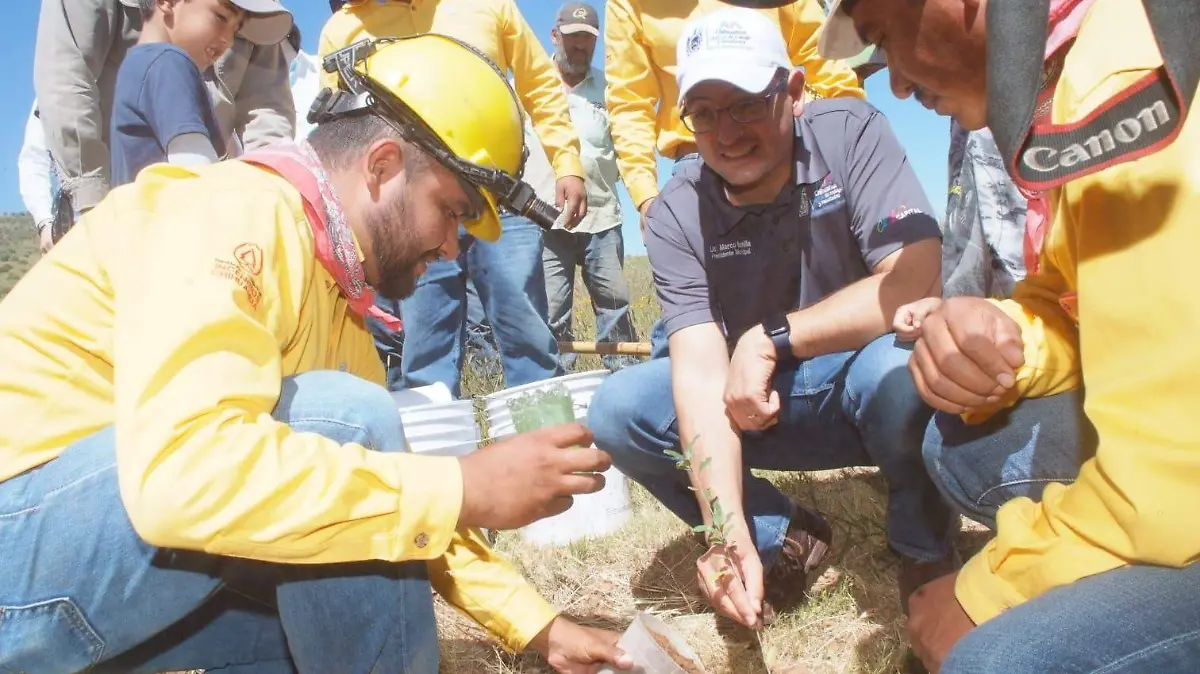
(731,578)
(575,649)
(967,356)
(571,199)
(642,210)
(510,484)
(936,621)
(750,400)
(45,238)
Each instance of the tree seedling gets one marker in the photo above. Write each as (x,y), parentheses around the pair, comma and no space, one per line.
(717,533)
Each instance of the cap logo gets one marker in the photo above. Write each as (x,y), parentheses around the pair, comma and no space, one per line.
(693,43)
(580,13)
(730,33)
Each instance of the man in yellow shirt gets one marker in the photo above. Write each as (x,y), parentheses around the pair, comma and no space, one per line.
(507,275)
(199,465)
(640,37)
(1096,571)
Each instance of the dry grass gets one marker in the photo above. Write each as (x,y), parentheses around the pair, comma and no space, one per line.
(851,623)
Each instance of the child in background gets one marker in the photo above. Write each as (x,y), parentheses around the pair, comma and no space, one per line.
(161,110)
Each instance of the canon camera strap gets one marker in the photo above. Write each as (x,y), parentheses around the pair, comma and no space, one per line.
(1142,119)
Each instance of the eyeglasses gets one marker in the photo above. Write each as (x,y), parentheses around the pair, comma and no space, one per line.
(745,111)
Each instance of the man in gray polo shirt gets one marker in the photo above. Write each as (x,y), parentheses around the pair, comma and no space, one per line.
(779,261)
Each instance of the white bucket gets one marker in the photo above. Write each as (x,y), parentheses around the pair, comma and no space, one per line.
(434,448)
(581,386)
(422,395)
(591,515)
(432,426)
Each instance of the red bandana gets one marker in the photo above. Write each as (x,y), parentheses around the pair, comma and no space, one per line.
(335,247)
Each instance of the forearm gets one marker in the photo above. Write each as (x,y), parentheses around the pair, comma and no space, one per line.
(857,314)
(706,434)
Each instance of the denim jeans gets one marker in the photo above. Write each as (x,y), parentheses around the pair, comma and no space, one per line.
(601,258)
(79,589)
(512,288)
(1131,620)
(1017,452)
(838,410)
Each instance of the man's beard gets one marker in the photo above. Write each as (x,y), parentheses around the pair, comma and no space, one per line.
(570,66)
(397,250)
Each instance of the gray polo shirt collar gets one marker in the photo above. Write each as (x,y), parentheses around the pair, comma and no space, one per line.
(810,168)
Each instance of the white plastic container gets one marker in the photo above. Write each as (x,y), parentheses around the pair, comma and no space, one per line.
(591,515)
(648,656)
(581,386)
(437,425)
(445,448)
(422,395)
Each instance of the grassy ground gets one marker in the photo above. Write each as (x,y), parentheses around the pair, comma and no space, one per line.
(851,623)
(18,249)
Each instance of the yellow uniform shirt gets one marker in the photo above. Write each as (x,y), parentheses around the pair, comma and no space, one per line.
(1124,239)
(494,27)
(173,310)
(640,37)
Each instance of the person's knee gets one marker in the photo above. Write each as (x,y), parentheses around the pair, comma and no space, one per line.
(879,382)
(618,411)
(996,647)
(341,407)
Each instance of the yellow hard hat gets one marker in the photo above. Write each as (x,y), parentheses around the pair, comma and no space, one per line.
(452,100)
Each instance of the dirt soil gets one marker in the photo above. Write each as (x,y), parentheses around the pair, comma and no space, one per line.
(685,663)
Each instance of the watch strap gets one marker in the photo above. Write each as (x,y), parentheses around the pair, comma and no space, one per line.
(780,332)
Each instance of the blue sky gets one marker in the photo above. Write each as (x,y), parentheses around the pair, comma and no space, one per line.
(922,134)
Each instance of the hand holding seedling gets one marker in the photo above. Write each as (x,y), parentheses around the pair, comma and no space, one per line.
(750,400)
(730,573)
(533,475)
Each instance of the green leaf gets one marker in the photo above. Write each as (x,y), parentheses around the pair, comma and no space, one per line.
(702,529)
(705,462)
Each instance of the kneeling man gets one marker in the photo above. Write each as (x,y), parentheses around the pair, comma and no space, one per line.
(779,262)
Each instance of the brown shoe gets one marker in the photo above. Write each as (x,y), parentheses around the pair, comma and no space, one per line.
(914,574)
(805,546)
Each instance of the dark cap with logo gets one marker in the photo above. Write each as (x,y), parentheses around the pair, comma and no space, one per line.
(577,17)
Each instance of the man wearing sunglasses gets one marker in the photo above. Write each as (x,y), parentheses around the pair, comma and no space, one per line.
(779,262)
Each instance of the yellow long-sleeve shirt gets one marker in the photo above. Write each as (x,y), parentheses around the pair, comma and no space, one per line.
(640,37)
(494,27)
(1123,239)
(148,316)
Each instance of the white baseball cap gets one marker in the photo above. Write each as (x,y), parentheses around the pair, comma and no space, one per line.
(267,22)
(839,38)
(733,44)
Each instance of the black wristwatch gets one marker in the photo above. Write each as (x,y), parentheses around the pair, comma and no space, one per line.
(780,332)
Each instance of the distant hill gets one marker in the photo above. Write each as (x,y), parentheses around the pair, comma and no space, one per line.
(18,249)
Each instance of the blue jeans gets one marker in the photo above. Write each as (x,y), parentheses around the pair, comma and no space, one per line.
(508,276)
(838,410)
(1131,620)
(601,257)
(1017,452)
(79,589)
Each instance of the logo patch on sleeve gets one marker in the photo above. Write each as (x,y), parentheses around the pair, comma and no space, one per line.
(897,215)
(828,197)
(244,270)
